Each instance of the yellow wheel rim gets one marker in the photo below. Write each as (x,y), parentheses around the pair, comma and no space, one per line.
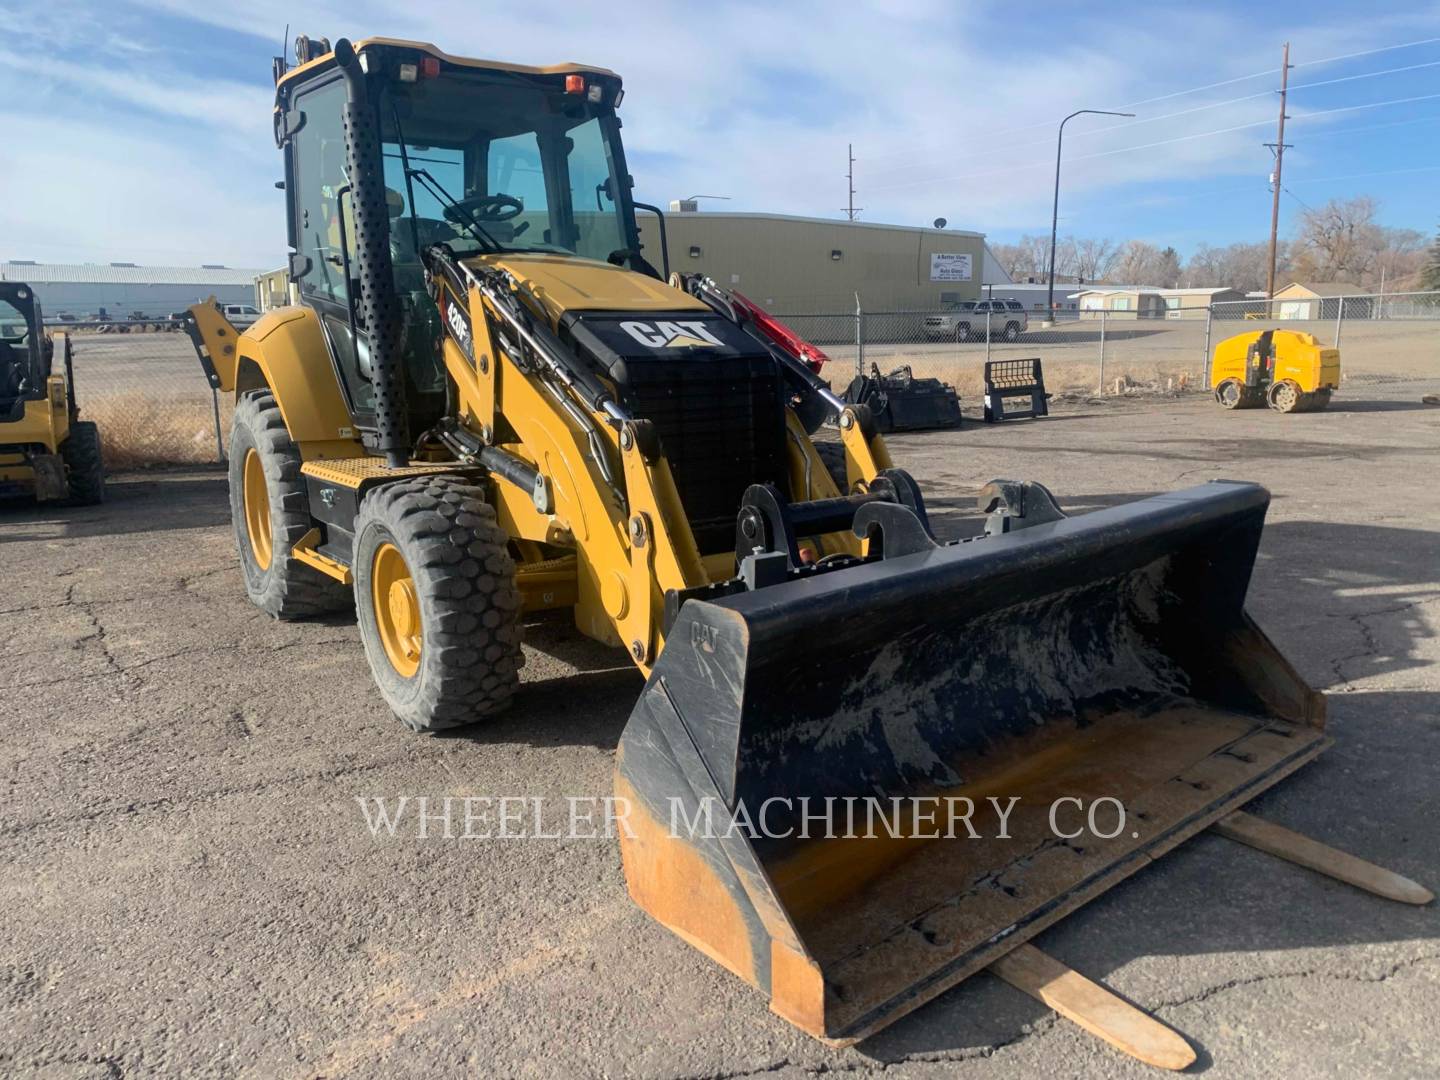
(397,609)
(257,510)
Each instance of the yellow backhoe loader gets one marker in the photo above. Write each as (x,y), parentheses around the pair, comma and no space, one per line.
(46,450)
(490,402)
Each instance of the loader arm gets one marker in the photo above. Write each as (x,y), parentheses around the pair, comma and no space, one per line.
(216,343)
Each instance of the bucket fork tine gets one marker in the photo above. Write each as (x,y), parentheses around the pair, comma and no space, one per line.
(1301,850)
(1099,1011)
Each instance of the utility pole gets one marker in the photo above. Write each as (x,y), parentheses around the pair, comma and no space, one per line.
(1279,162)
(851,209)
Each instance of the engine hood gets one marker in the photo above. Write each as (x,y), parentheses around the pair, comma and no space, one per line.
(565,283)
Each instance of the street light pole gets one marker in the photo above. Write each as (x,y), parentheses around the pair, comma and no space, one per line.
(1055,210)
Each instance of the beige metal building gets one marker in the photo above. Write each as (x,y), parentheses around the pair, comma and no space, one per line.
(273,289)
(804,265)
(1321,300)
(1192,303)
(801,265)
(1136,302)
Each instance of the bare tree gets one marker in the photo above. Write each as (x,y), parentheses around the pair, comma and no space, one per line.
(1167,268)
(1135,261)
(1238,266)
(1028,257)
(1094,258)
(1339,241)
(1141,263)
(1430,277)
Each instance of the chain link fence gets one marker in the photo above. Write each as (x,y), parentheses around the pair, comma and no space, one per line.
(141,382)
(1082,355)
(1386,340)
(1390,340)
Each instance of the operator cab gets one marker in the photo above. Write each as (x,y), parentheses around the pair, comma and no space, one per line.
(487,159)
(24,363)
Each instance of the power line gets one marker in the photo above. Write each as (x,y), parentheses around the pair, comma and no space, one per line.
(1365,175)
(1368,52)
(1179,93)
(1365,75)
(1146,101)
(1096,131)
(1367,105)
(1197,89)
(1182,112)
(1160,142)
(1297,198)
(1372,127)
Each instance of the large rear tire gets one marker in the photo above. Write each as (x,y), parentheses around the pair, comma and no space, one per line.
(270,511)
(84,464)
(438,603)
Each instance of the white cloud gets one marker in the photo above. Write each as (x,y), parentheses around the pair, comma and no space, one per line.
(951,112)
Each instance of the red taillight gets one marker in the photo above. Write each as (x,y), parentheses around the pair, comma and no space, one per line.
(574,84)
(429,67)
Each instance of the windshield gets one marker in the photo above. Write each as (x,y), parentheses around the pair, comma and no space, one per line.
(490,162)
(14,325)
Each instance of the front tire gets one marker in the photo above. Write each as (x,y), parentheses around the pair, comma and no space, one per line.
(438,603)
(962,333)
(270,511)
(84,464)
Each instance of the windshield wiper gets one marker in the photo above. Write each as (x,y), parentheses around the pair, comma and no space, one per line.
(469,221)
(437,191)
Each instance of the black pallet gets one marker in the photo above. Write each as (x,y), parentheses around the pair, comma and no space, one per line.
(1009,379)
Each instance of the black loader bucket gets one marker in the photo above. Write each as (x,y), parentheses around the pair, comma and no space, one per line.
(798,765)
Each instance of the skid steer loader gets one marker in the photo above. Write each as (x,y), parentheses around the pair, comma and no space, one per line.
(46,450)
(489,402)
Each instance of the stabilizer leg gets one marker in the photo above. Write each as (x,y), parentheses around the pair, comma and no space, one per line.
(1294,847)
(1094,1008)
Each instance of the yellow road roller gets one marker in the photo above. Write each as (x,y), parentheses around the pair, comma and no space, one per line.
(1288,370)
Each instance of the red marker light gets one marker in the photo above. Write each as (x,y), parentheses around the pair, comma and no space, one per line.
(574,84)
(429,67)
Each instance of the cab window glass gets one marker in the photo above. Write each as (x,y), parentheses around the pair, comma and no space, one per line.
(322,206)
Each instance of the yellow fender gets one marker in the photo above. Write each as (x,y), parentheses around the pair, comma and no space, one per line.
(286,351)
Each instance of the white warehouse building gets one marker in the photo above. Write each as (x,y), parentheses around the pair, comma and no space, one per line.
(82,290)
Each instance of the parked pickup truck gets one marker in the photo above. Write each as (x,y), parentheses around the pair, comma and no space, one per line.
(966,321)
(241,316)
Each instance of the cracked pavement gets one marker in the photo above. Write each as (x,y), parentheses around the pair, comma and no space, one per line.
(189,887)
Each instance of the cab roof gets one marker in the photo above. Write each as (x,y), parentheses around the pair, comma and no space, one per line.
(320,64)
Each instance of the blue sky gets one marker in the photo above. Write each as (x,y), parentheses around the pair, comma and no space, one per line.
(145,128)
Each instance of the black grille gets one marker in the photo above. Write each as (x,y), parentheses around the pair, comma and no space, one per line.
(722,428)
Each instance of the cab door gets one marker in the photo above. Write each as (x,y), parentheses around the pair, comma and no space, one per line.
(322,228)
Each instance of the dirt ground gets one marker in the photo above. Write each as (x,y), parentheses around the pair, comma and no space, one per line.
(189,887)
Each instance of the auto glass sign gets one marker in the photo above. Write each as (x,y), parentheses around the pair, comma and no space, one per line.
(949,266)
